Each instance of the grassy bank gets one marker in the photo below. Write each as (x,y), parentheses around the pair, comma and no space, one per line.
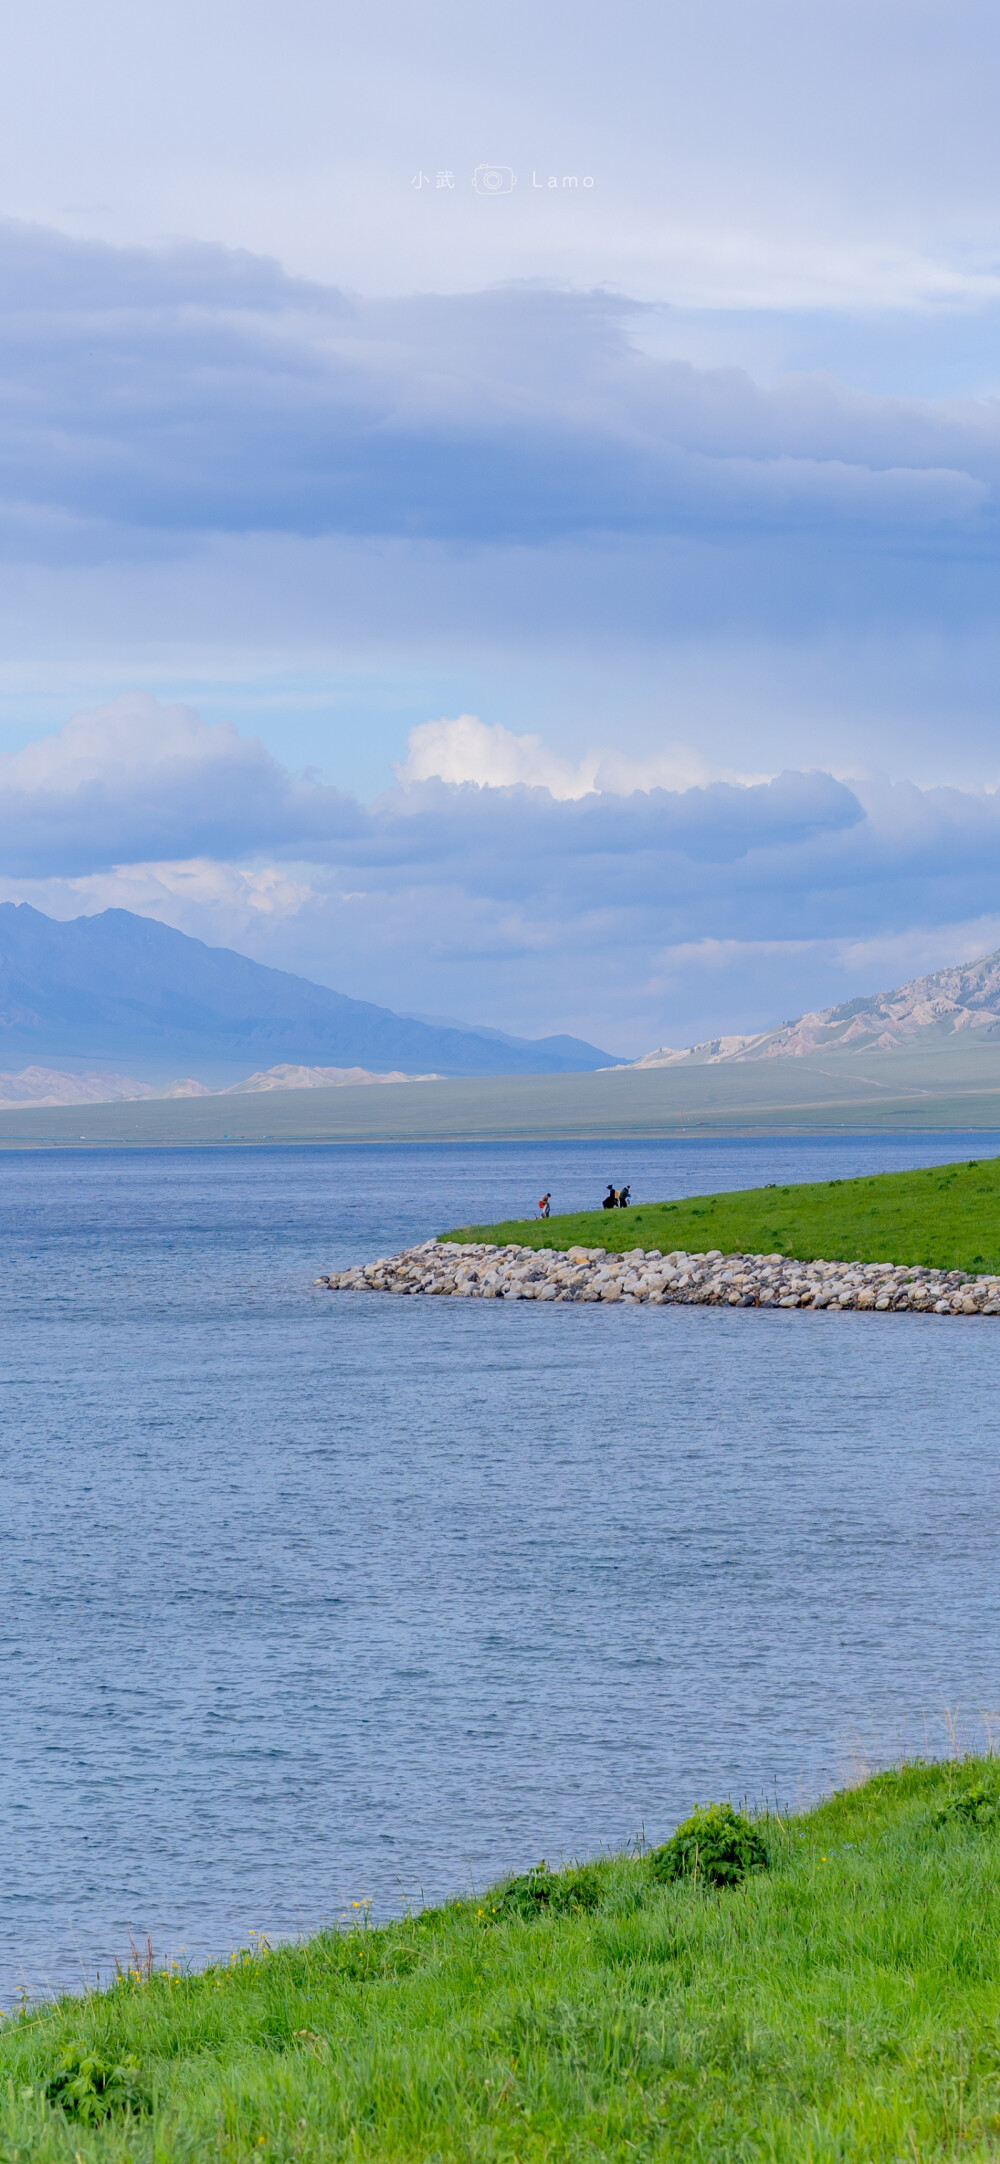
(947,1216)
(843,2003)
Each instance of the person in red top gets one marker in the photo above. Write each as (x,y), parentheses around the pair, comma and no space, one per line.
(543,1205)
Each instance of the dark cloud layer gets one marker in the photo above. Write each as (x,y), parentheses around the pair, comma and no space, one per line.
(199,389)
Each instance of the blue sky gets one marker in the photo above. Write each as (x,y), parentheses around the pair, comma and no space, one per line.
(568,607)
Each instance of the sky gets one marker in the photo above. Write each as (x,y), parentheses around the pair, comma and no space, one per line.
(499,505)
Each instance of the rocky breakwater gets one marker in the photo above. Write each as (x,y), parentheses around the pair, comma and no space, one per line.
(644,1275)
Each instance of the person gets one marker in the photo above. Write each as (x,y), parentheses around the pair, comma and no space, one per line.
(623,1196)
(611,1198)
(543,1205)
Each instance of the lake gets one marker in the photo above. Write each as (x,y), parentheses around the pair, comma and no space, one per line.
(312,1599)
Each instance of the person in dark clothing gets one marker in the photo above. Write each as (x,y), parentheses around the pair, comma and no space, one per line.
(610,1201)
(623,1195)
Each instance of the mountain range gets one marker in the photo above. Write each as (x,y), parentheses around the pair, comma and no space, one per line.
(103,989)
(949,1003)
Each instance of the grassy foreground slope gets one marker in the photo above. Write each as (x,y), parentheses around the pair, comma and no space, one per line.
(842,2004)
(946,1216)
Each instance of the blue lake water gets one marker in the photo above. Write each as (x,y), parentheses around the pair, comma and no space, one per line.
(305,1598)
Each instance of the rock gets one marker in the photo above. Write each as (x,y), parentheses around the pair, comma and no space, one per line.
(645,1277)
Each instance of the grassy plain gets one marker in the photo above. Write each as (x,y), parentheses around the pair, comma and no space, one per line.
(843,2004)
(947,1216)
(949,1083)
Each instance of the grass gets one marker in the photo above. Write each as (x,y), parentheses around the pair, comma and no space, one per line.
(842,2005)
(947,1216)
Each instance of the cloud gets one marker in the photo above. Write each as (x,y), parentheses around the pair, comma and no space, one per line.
(522,501)
(771,156)
(159,395)
(222,903)
(536,903)
(470,750)
(491,756)
(139,783)
(135,780)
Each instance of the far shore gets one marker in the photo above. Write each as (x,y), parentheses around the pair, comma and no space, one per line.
(950,1086)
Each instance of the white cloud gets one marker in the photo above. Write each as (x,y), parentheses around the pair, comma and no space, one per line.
(128,736)
(469,750)
(490,756)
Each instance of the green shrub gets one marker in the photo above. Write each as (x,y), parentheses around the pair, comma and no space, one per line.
(716,1844)
(542,1890)
(976,1806)
(90,2089)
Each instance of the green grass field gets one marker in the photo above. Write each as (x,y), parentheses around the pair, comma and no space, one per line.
(947,1217)
(841,2004)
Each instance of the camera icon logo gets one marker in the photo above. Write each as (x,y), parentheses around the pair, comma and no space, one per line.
(494,180)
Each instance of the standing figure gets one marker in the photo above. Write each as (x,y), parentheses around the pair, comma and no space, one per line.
(543,1205)
(610,1201)
(623,1195)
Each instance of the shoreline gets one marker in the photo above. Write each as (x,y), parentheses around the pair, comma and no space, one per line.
(816,1983)
(646,1277)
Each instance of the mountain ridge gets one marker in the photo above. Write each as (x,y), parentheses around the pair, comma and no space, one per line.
(944,1003)
(117,986)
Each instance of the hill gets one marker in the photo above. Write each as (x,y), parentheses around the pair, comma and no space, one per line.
(117,987)
(49,1086)
(838,2001)
(949,1003)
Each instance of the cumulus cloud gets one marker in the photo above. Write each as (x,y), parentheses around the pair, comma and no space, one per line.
(139,782)
(495,879)
(491,756)
(136,781)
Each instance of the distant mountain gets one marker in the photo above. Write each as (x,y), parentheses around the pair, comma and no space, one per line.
(117,986)
(47,1086)
(316,1078)
(946,1004)
(50,1086)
